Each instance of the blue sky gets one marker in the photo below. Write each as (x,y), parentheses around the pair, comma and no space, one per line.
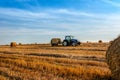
(30,21)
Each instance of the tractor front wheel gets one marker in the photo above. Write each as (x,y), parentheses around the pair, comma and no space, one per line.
(74,44)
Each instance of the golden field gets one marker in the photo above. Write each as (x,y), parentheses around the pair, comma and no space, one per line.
(43,62)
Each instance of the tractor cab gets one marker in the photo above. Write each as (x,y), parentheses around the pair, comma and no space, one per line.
(69,37)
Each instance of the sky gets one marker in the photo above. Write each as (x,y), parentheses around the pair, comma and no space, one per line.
(31,21)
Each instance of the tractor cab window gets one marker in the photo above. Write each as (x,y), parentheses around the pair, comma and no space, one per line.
(69,37)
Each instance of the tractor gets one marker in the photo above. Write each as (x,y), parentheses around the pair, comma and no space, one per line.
(70,41)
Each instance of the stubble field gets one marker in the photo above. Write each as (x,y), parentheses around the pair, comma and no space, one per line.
(43,62)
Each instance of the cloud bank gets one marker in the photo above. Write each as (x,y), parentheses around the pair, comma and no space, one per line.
(29,26)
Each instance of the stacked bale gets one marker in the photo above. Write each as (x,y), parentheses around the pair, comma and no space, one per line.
(13,44)
(113,58)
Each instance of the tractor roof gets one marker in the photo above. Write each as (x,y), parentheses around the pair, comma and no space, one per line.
(70,35)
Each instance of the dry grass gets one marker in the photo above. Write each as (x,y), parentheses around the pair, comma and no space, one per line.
(42,62)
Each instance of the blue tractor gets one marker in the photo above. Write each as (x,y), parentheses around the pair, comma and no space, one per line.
(70,41)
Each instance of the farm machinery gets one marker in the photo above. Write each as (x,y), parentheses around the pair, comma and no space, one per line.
(68,41)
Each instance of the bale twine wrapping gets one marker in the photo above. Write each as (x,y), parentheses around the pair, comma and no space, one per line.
(13,44)
(113,58)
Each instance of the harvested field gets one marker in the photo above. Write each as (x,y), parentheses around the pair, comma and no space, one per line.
(43,62)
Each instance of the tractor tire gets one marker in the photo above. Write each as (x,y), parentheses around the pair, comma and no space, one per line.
(52,45)
(65,43)
(74,44)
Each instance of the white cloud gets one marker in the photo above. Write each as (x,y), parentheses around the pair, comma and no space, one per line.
(48,14)
(17,13)
(51,16)
(28,31)
(74,13)
(112,2)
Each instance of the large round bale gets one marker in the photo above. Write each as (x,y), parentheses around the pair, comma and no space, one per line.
(113,58)
(13,44)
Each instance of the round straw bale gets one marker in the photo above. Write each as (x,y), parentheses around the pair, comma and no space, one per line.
(20,43)
(113,58)
(13,44)
(100,41)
